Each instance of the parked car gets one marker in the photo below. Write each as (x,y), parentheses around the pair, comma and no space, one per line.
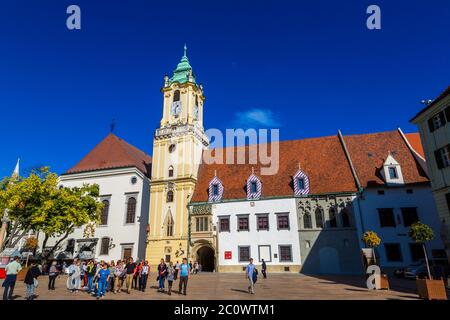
(416,269)
(438,269)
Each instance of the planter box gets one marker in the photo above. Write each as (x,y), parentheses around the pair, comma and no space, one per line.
(384,282)
(431,289)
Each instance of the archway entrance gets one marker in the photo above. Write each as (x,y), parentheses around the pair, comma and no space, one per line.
(206,257)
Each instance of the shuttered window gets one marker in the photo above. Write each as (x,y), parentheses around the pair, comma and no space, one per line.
(437,121)
(442,157)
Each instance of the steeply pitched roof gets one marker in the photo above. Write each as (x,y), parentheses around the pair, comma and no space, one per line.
(322,159)
(416,143)
(445,93)
(111,153)
(369,151)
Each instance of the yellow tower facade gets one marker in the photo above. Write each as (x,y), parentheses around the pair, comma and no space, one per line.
(177,150)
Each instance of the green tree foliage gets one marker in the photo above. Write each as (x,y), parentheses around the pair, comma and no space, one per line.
(420,232)
(38,203)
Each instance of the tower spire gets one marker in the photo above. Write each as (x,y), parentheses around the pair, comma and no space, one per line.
(185,50)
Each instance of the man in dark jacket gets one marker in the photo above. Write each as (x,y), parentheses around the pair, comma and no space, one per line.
(31,280)
(264,269)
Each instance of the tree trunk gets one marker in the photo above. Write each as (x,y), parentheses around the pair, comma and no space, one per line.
(426,260)
(52,250)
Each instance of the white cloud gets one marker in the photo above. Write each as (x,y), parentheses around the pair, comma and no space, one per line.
(256,118)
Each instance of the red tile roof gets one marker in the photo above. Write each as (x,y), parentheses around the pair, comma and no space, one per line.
(322,159)
(369,151)
(416,143)
(112,153)
(445,93)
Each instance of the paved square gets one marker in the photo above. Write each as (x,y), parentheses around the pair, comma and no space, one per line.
(231,286)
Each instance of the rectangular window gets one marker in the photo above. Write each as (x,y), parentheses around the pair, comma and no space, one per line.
(224,224)
(127,252)
(244,253)
(393,173)
(387,218)
(215,190)
(301,183)
(265,253)
(393,252)
(285,253)
(243,223)
(442,156)
(104,247)
(416,251)
(202,224)
(283,221)
(263,222)
(409,216)
(436,121)
(253,187)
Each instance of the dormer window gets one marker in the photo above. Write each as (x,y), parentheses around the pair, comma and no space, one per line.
(393,173)
(254,187)
(215,190)
(301,183)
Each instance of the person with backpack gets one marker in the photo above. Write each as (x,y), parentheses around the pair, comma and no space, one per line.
(251,274)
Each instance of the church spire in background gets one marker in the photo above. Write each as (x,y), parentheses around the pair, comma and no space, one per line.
(16,171)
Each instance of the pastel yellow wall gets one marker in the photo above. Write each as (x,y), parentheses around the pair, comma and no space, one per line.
(188,147)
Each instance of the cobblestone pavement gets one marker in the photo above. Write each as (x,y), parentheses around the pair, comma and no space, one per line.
(229,286)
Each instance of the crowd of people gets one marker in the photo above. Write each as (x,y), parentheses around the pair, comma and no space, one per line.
(98,278)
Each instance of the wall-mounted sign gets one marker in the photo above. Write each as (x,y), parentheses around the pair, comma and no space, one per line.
(228,255)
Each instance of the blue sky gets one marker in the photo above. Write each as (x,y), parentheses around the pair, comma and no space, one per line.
(307,67)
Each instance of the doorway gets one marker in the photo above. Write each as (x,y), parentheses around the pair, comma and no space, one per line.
(206,257)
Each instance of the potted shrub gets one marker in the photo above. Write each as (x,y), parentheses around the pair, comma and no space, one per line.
(372,240)
(427,288)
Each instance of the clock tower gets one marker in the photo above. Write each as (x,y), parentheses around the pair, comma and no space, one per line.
(177,149)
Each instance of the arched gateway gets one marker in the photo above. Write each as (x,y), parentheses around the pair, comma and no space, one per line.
(205,255)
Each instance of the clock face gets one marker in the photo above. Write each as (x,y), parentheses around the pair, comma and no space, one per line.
(175,110)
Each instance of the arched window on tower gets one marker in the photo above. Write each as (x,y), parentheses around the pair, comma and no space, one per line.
(332,218)
(319,218)
(170,171)
(105,212)
(169,225)
(176,96)
(307,222)
(169,196)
